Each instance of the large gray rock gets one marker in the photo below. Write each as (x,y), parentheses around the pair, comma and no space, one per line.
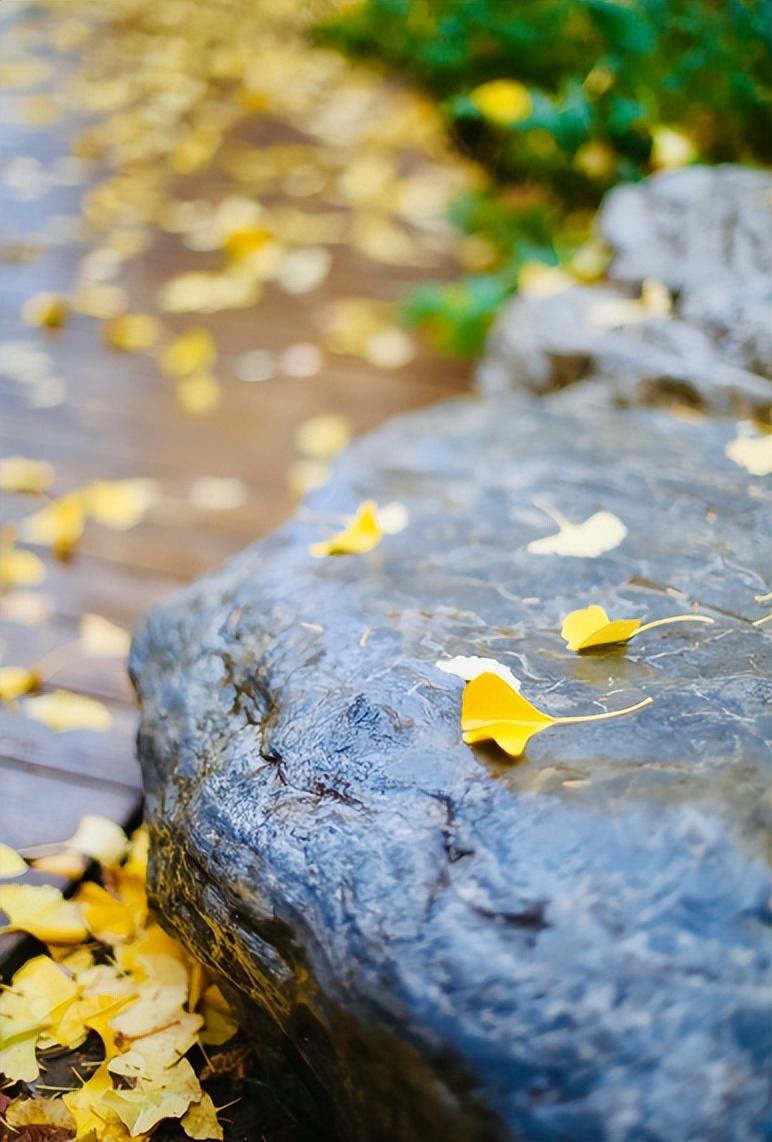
(705,234)
(459,946)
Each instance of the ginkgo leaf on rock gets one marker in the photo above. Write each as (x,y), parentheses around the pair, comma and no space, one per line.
(11,863)
(590,628)
(491,710)
(602,532)
(362,534)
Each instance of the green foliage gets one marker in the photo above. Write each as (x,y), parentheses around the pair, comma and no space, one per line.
(610,85)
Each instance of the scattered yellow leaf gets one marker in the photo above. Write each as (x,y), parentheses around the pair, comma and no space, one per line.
(20,568)
(131,332)
(322,437)
(219,1024)
(600,533)
(168,1095)
(194,351)
(218,493)
(100,299)
(200,1120)
(62,710)
(492,710)
(18,474)
(361,535)
(42,912)
(15,681)
(27,607)
(38,1112)
(119,504)
(98,838)
(751,451)
(671,148)
(59,525)
(48,310)
(198,395)
(103,639)
(502,101)
(11,864)
(107,918)
(591,627)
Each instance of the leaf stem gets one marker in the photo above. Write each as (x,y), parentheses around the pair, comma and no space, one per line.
(604,716)
(553,513)
(673,619)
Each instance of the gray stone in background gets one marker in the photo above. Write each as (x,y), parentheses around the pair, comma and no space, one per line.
(705,233)
(461,947)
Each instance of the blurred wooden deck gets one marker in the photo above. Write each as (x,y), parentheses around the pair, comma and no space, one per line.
(119,419)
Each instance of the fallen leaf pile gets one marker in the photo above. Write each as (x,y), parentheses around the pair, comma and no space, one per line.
(110,972)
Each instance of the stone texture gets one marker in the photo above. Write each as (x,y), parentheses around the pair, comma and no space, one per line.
(458,946)
(706,234)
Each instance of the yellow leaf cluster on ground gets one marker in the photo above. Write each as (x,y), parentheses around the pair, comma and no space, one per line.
(113,971)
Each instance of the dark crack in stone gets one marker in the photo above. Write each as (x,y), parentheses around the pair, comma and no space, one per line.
(705,234)
(453,945)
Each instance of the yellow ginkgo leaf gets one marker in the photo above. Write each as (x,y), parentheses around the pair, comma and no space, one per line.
(59,525)
(68,864)
(590,628)
(131,332)
(103,639)
(98,838)
(166,1096)
(48,310)
(600,533)
(194,351)
(362,534)
(38,1112)
(106,917)
(84,1104)
(119,504)
(492,710)
(15,681)
(42,912)
(18,474)
(502,101)
(322,437)
(62,710)
(20,568)
(200,1120)
(751,451)
(11,864)
(198,394)
(219,1024)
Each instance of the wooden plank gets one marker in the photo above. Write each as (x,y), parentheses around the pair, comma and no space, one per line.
(84,754)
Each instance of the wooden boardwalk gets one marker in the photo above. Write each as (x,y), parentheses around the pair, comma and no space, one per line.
(100,414)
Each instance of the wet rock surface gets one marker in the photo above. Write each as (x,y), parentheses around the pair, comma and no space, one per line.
(703,233)
(452,944)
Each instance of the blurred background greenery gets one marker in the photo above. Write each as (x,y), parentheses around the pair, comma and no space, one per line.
(561,100)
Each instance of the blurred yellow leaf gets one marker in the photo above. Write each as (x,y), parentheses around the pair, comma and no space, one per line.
(492,710)
(18,474)
(751,451)
(600,533)
(131,332)
(194,351)
(103,639)
(43,912)
(11,864)
(19,568)
(106,918)
(671,148)
(503,101)
(199,394)
(38,1112)
(591,627)
(306,476)
(99,299)
(48,310)
(61,710)
(218,493)
(15,681)
(27,607)
(361,535)
(58,526)
(119,504)
(99,838)
(322,437)
(219,1024)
